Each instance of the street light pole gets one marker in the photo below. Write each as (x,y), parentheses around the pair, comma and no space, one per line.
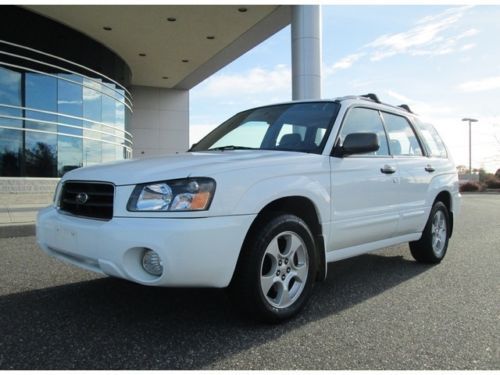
(470,120)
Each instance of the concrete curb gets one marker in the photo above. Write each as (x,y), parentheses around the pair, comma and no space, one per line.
(17,230)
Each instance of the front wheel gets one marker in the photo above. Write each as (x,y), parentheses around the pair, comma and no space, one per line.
(432,246)
(275,272)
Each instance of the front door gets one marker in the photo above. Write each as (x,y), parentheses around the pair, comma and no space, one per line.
(364,187)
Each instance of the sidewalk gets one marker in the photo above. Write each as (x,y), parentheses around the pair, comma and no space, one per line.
(18,220)
(18,213)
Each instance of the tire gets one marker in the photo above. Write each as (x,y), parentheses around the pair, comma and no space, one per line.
(432,246)
(276,270)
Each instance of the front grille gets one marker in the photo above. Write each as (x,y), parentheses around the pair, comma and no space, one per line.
(88,199)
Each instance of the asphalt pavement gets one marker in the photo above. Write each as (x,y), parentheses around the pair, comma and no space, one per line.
(375,311)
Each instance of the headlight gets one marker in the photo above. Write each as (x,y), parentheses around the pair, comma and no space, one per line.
(190,194)
(56,200)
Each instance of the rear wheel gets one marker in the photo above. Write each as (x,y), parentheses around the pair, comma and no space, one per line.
(432,246)
(275,273)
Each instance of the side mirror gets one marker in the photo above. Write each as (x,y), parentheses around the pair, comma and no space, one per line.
(358,143)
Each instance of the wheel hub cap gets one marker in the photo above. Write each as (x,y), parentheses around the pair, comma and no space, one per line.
(284,269)
(439,234)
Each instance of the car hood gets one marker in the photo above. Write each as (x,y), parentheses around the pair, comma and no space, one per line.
(194,164)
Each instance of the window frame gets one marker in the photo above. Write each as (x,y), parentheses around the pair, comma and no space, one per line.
(427,148)
(425,151)
(412,127)
(357,156)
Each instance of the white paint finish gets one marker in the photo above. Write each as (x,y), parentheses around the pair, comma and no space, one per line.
(306,52)
(363,201)
(103,246)
(160,122)
(413,191)
(353,251)
(358,207)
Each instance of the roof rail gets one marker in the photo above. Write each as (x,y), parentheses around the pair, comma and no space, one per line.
(406,107)
(371,97)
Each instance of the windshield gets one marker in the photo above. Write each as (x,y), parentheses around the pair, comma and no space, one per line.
(302,127)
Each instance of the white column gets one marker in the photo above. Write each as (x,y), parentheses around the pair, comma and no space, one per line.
(160,122)
(306,52)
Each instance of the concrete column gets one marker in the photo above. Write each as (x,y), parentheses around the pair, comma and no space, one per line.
(306,52)
(160,122)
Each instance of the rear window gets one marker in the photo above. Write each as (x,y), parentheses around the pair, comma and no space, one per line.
(434,143)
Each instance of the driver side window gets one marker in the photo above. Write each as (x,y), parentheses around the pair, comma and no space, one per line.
(365,120)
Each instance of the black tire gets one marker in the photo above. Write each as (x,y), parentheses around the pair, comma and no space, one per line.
(246,288)
(424,250)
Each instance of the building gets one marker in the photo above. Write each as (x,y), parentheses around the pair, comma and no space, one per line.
(82,85)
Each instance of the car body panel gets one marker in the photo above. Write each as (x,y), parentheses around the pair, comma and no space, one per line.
(359,208)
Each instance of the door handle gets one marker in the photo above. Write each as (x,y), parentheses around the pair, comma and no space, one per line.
(429,168)
(388,169)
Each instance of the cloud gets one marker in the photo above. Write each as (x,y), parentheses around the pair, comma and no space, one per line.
(429,37)
(485,84)
(251,82)
(425,110)
(344,63)
(424,39)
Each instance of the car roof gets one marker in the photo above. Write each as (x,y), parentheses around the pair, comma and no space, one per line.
(370,100)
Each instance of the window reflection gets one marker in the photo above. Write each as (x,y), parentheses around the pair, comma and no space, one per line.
(40,149)
(10,140)
(70,122)
(92,110)
(69,102)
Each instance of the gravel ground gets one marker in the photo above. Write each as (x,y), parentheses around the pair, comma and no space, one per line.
(376,311)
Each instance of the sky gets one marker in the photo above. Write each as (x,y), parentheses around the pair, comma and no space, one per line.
(443,61)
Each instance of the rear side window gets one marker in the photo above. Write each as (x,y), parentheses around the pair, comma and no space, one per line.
(402,139)
(364,120)
(433,141)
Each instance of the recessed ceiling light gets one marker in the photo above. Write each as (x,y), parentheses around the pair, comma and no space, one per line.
(107,28)
(185,60)
(242,10)
(164,77)
(171,19)
(142,54)
(210,37)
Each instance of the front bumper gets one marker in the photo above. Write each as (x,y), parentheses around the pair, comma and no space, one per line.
(194,252)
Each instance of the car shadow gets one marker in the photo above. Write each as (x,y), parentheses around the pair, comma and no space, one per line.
(114,324)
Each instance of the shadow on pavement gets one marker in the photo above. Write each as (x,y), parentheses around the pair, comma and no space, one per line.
(113,324)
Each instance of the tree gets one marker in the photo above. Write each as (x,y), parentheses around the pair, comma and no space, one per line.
(462,169)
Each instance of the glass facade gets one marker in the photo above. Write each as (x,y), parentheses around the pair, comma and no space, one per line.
(59,109)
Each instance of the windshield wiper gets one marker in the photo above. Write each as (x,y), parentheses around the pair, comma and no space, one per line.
(231,147)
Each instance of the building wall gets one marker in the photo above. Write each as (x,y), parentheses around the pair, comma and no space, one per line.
(160,122)
(62,105)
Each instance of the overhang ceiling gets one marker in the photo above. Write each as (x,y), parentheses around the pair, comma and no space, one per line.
(146,29)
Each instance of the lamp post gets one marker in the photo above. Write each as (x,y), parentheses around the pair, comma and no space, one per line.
(470,120)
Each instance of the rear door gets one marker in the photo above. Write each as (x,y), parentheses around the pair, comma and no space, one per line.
(364,187)
(415,173)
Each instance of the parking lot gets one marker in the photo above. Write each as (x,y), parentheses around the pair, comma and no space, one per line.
(376,311)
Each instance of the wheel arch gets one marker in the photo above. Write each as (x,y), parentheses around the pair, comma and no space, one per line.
(445,197)
(301,207)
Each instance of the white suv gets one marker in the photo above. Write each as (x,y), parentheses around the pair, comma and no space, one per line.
(263,203)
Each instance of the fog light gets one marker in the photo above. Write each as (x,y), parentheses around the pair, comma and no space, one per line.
(151,263)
